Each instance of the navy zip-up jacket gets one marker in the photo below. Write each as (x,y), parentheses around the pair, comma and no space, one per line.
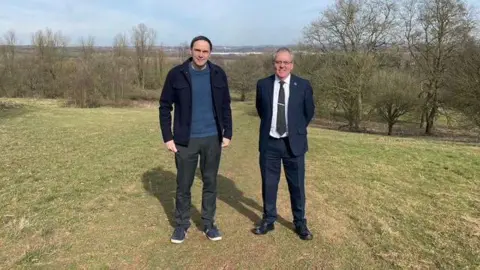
(177,91)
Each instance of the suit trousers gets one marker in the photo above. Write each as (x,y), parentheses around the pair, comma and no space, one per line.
(186,160)
(278,152)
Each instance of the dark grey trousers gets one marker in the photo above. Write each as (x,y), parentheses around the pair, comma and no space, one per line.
(186,160)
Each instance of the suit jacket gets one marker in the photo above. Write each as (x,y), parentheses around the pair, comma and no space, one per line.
(177,91)
(301,109)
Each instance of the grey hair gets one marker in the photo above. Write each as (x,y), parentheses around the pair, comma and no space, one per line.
(282,49)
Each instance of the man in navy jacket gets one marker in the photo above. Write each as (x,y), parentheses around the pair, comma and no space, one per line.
(198,92)
(285,106)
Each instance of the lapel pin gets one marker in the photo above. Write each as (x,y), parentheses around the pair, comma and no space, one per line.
(295,83)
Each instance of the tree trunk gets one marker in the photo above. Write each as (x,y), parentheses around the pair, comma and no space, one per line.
(430,116)
(358,112)
(423,118)
(390,128)
(430,120)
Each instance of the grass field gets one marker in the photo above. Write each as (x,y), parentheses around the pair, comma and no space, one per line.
(94,188)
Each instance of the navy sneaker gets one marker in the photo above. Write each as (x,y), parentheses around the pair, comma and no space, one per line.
(303,232)
(213,233)
(178,235)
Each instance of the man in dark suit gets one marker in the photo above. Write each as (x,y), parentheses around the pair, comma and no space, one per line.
(202,126)
(285,105)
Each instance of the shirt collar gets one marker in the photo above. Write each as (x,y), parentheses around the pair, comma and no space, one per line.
(286,80)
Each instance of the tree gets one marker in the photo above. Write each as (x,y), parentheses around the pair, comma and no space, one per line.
(9,47)
(50,51)
(120,45)
(314,66)
(348,77)
(242,73)
(84,90)
(120,72)
(159,71)
(8,71)
(353,26)
(183,51)
(396,95)
(144,40)
(463,82)
(356,29)
(88,47)
(434,31)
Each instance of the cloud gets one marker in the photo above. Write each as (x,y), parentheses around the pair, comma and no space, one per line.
(72,19)
(233,22)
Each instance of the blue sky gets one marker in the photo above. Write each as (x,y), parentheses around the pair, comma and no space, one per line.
(226,22)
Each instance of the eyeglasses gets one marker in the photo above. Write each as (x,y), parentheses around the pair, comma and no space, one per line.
(282,62)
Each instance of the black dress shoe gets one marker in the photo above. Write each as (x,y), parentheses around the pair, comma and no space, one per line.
(264,228)
(303,232)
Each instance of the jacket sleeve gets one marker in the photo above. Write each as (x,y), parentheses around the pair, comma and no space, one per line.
(258,100)
(309,105)
(227,112)
(165,108)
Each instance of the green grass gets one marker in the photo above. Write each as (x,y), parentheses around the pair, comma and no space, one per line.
(94,188)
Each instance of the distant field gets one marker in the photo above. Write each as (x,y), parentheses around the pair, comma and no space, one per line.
(94,188)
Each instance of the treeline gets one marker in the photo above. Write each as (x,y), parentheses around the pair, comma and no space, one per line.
(384,59)
(366,59)
(85,75)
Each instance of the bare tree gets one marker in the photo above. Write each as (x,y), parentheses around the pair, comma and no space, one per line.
(9,48)
(434,31)
(144,40)
(396,95)
(356,29)
(348,79)
(120,45)
(315,68)
(85,90)
(183,51)
(50,51)
(242,73)
(121,71)
(353,26)
(88,47)
(3,70)
(49,44)
(159,69)
(8,70)
(463,82)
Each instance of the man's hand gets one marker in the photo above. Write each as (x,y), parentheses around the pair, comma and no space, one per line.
(225,142)
(171,146)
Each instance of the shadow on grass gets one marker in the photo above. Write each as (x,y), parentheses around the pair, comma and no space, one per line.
(162,184)
(11,109)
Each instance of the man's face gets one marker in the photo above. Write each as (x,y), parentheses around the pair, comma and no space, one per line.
(200,52)
(283,64)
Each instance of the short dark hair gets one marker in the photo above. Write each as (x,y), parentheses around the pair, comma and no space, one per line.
(197,38)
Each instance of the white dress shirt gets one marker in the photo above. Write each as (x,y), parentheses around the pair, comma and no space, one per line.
(276,91)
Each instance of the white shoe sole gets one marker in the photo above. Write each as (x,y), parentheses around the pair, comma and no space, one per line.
(213,239)
(178,241)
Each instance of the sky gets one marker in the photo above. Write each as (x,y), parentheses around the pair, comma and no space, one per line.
(225,22)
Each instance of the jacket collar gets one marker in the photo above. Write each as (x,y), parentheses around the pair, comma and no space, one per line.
(185,65)
(286,80)
(292,79)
